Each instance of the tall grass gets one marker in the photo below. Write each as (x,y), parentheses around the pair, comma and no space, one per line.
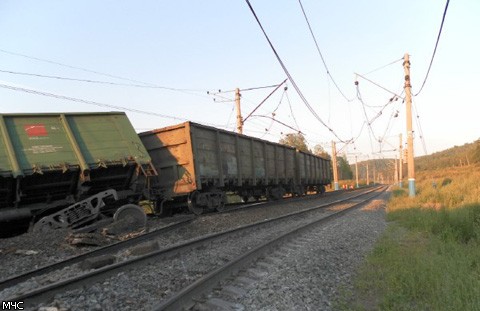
(429,258)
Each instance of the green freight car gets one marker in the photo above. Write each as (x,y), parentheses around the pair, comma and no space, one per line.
(50,161)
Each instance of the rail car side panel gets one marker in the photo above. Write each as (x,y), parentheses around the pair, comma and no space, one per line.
(191,157)
(172,155)
(49,160)
(312,169)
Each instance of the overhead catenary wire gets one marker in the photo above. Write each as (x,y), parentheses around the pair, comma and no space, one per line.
(435,49)
(274,112)
(280,122)
(370,133)
(75,67)
(91,102)
(188,91)
(264,100)
(376,84)
(250,88)
(320,53)
(291,110)
(419,126)
(292,81)
(384,66)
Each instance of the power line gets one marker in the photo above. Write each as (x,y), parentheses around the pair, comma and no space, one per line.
(435,49)
(422,138)
(102,82)
(291,110)
(280,122)
(292,81)
(320,53)
(250,88)
(381,67)
(152,85)
(370,133)
(275,110)
(73,67)
(90,102)
(376,84)
(261,103)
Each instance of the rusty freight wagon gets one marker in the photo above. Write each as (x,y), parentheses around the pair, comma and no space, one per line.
(313,172)
(77,161)
(197,164)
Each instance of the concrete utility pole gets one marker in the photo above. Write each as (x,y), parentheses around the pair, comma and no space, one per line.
(408,102)
(239,112)
(356,171)
(400,170)
(395,177)
(368,176)
(334,166)
(374,172)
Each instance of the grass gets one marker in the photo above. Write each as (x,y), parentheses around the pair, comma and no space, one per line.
(429,257)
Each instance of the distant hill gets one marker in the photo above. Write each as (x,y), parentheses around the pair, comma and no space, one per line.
(468,154)
(456,156)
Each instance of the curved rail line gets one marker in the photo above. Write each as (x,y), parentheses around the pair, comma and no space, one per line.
(190,294)
(46,292)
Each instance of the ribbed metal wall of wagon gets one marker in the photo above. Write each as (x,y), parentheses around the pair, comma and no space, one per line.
(84,164)
(199,164)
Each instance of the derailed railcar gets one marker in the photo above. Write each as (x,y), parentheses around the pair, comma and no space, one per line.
(200,163)
(49,161)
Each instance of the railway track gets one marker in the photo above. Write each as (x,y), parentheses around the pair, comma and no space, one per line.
(194,294)
(45,292)
(95,253)
(231,208)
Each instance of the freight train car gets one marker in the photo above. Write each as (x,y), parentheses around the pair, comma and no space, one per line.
(50,161)
(313,172)
(200,163)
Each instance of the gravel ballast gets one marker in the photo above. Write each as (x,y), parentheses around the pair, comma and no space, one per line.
(310,277)
(339,252)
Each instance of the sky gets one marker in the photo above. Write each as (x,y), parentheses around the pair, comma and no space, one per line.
(165,62)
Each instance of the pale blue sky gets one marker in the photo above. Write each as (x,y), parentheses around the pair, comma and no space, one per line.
(211,45)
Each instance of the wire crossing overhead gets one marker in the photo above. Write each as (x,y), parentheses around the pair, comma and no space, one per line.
(145,84)
(102,82)
(320,53)
(258,106)
(287,73)
(90,102)
(376,84)
(384,66)
(435,49)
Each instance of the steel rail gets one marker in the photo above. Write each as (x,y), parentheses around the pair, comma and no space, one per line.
(98,252)
(207,283)
(14,280)
(46,292)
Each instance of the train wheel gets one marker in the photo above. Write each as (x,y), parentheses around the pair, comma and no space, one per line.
(132,214)
(193,205)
